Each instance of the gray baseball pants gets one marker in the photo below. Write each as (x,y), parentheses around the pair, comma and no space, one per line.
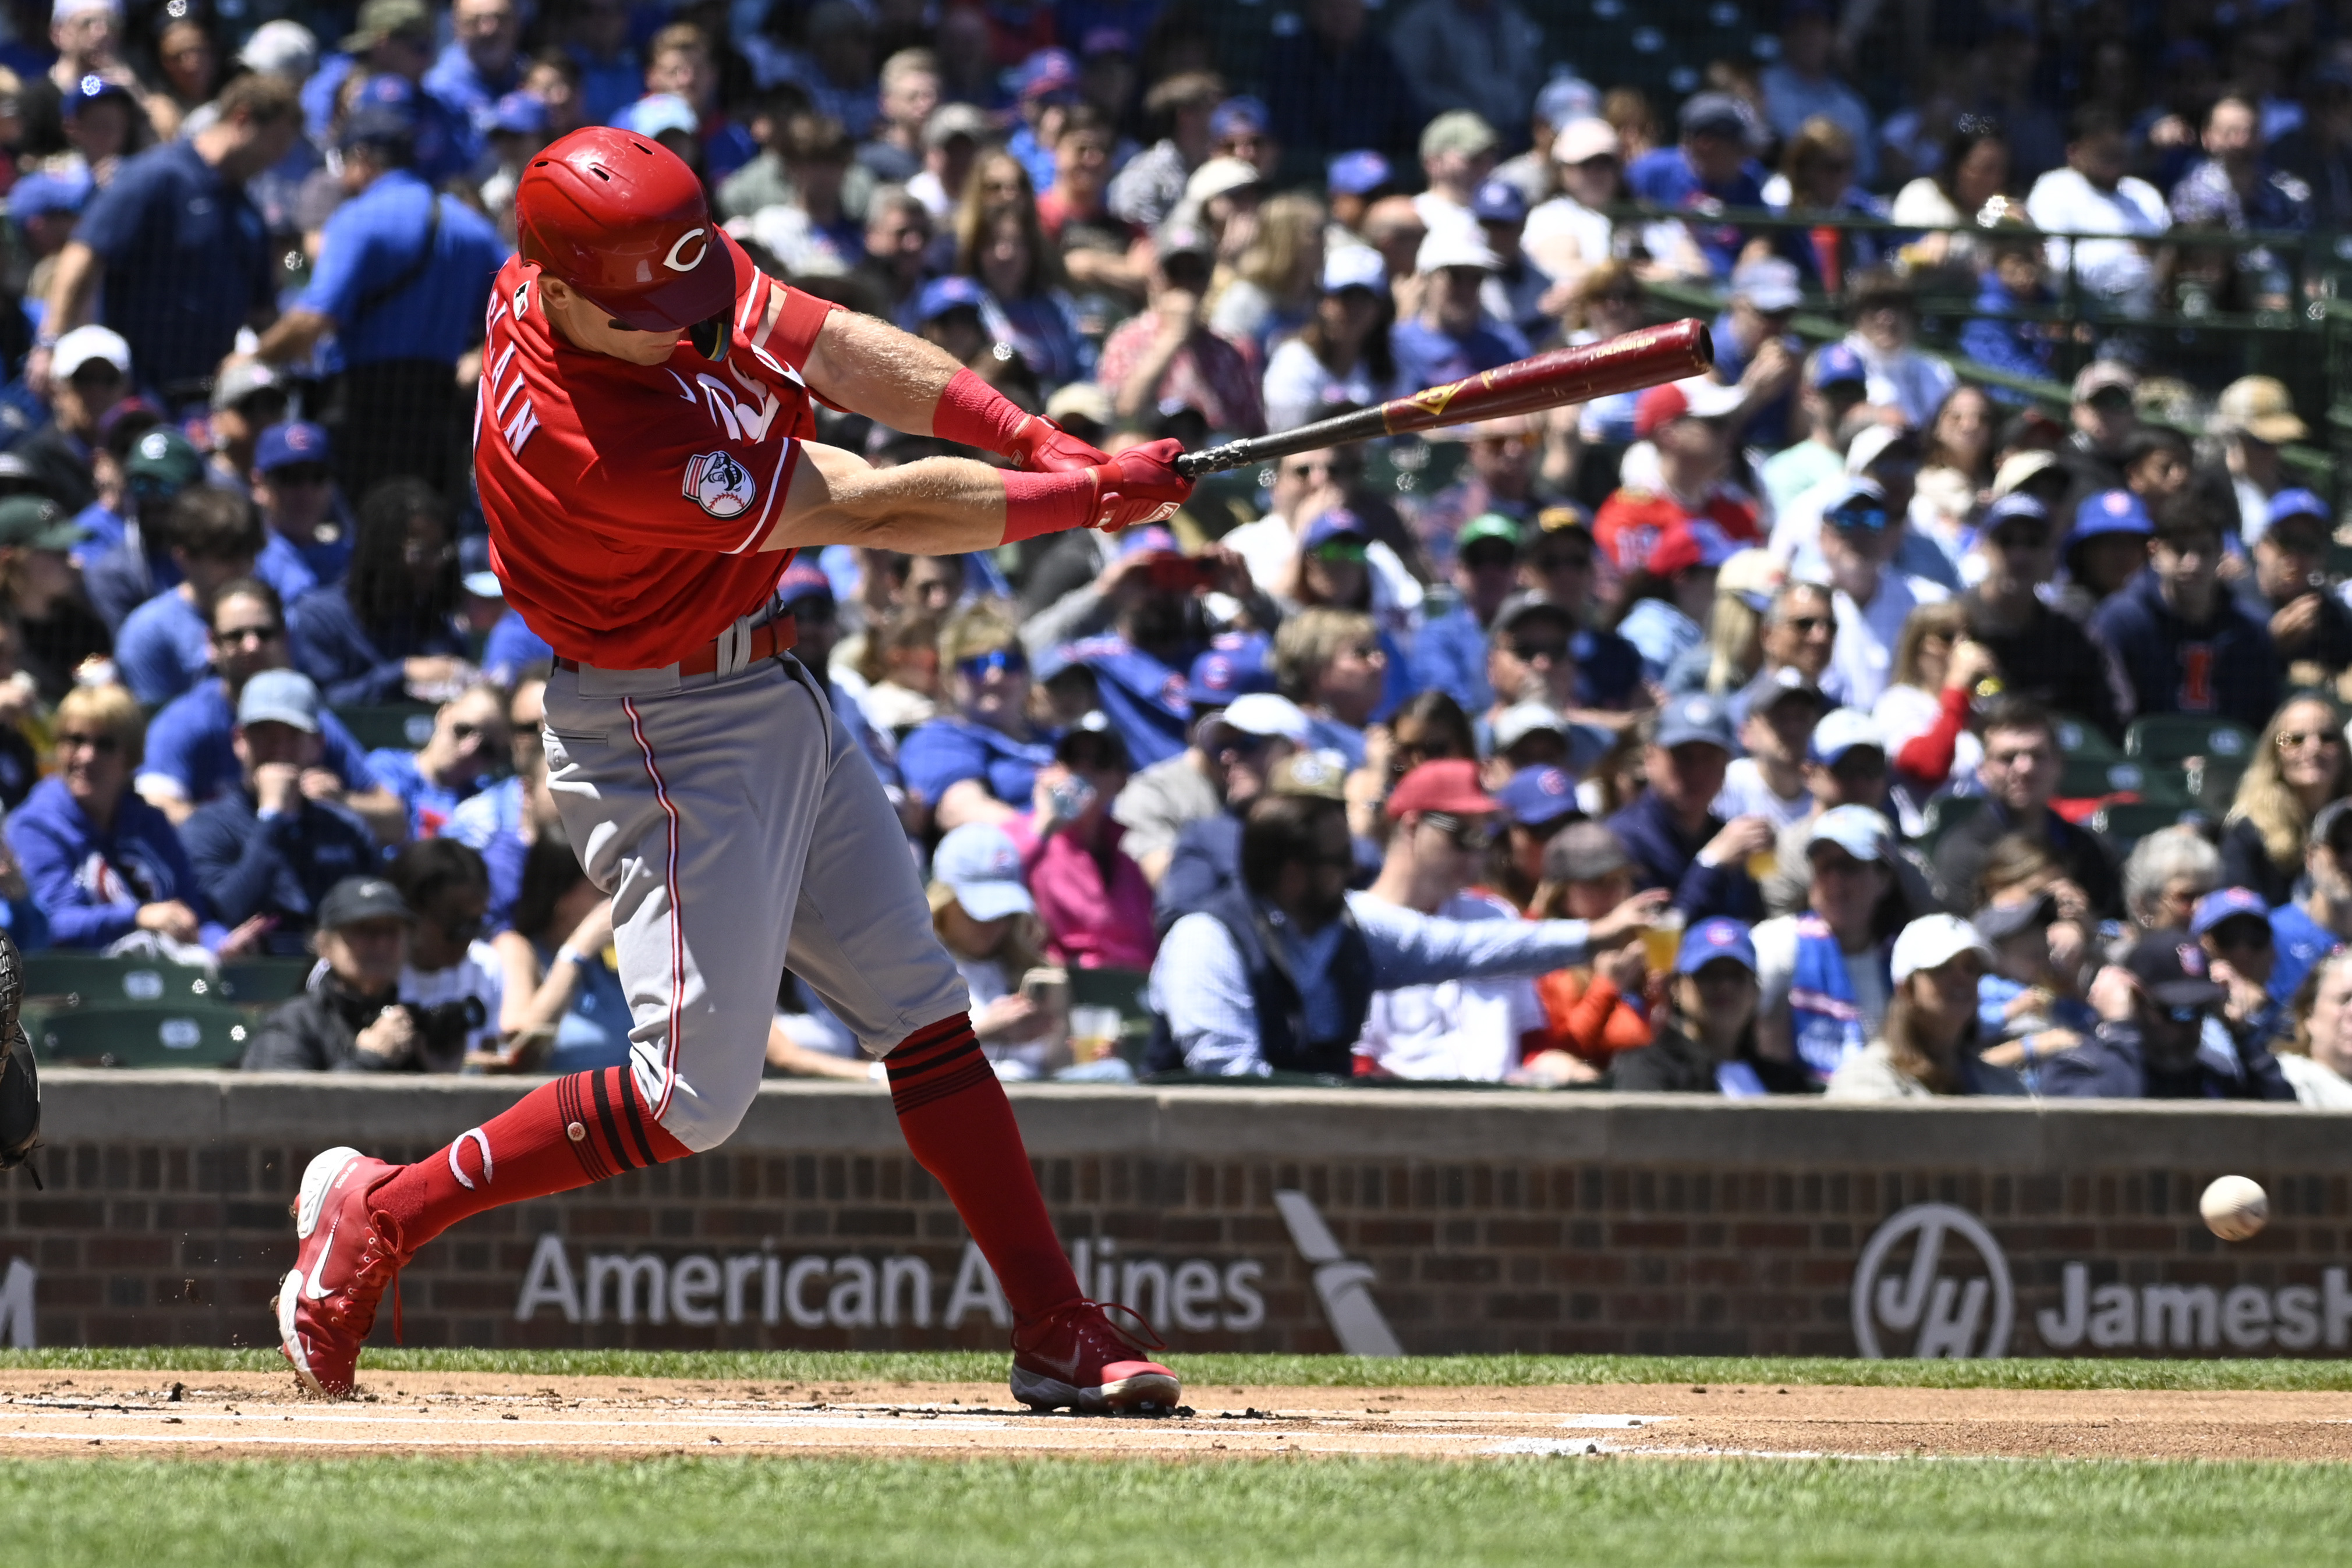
(738,831)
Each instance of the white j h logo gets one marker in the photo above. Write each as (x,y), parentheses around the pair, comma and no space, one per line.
(1965,1314)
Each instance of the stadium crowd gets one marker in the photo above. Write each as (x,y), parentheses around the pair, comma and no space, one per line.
(1722,738)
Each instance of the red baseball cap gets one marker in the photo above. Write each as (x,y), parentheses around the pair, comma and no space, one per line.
(1698,398)
(1445,786)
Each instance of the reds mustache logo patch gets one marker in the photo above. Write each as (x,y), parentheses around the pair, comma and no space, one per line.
(720,484)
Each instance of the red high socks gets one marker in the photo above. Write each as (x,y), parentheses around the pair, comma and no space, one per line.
(561,1135)
(960,1129)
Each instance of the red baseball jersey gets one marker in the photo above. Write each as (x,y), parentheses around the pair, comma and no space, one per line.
(626,503)
(1629,522)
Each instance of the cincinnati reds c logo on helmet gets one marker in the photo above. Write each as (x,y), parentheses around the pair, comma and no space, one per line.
(672,260)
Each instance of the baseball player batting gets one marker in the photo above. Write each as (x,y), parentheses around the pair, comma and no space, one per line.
(641,446)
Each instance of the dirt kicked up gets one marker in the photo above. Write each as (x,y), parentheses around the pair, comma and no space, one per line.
(220,1414)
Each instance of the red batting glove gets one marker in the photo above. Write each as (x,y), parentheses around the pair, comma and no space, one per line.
(1041,446)
(1141,486)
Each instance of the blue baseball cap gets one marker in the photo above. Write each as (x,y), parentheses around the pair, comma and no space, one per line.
(1500,202)
(1357,174)
(296,440)
(941,294)
(2016,504)
(2284,504)
(519,113)
(1240,112)
(2110,512)
(1567,98)
(1223,673)
(802,580)
(1710,940)
(1857,504)
(1697,718)
(1047,73)
(1537,797)
(383,109)
(43,194)
(89,91)
(981,865)
(1833,363)
(1338,523)
(2227,904)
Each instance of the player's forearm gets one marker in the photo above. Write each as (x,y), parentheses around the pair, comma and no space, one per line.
(870,367)
(941,506)
(72,282)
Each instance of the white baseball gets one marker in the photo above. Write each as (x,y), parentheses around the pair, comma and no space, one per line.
(2234,1207)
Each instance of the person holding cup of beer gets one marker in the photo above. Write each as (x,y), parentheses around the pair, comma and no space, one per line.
(1823,974)
(1676,840)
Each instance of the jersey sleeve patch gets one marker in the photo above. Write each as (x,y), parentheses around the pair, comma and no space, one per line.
(720,484)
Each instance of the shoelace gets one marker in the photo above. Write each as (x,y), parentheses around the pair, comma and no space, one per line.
(1136,1331)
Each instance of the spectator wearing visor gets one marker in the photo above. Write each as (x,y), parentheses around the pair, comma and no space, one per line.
(180,255)
(1671,831)
(979,762)
(2288,590)
(2185,644)
(1240,730)
(2106,548)
(165,644)
(348,1018)
(1092,898)
(162,465)
(89,372)
(401,280)
(2161,1035)
(2034,650)
(1704,1039)
(1277,971)
(306,542)
(266,849)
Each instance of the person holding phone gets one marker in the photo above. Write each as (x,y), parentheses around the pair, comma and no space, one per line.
(1092,898)
(2288,587)
(987,921)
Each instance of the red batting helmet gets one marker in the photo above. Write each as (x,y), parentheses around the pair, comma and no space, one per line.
(622,219)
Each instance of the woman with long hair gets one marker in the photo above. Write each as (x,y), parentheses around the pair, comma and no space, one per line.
(2318,1060)
(988,922)
(1000,243)
(1341,354)
(1927,1044)
(1924,712)
(2298,767)
(1974,169)
(187,70)
(389,629)
(560,984)
(1273,286)
(1818,163)
(1733,649)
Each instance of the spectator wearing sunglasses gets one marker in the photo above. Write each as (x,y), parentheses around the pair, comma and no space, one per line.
(1441,827)
(1860,534)
(977,762)
(189,757)
(307,543)
(2185,645)
(1240,730)
(2299,768)
(266,849)
(449,964)
(103,864)
(2288,590)
(1092,898)
(2037,653)
(469,741)
(2161,1034)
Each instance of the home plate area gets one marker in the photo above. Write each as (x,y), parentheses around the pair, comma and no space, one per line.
(214,1415)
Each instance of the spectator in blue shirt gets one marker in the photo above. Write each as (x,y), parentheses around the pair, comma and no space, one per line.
(394,38)
(164,645)
(1453,337)
(2308,928)
(189,756)
(267,850)
(388,630)
(470,741)
(161,464)
(480,64)
(401,280)
(979,763)
(611,74)
(103,864)
(1676,840)
(304,543)
(2015,282)
(1709,166)
(2185,645)
(183,255)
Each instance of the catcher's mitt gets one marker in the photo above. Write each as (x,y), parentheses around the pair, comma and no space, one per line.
(20,1085)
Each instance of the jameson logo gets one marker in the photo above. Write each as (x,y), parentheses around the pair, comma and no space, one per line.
(1933,1282)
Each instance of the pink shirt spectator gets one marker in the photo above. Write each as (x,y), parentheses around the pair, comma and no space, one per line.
(1207,373)
(1093,920)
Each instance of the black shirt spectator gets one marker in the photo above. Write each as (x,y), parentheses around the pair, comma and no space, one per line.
(2019,776)
(266,847)
(1334,87)
(2185,645)
(347,1021)
(386,631)
(2044,656)
(2148,1044)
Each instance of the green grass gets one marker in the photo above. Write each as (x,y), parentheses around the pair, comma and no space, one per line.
(701,1513)
(1260,1371)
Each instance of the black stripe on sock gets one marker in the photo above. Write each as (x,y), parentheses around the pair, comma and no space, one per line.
(951,1067)
(915,1097)
(625,1090)
(612,1127)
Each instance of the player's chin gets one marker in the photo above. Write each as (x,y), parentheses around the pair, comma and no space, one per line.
(646,348)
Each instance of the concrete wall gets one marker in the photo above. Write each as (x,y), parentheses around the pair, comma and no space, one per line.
(1281,1219)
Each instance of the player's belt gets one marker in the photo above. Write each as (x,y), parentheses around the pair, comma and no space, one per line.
(763,641)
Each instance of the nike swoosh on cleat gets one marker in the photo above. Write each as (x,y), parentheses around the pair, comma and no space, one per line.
(310,1289)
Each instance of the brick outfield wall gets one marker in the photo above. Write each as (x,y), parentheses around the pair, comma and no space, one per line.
(1485,1227)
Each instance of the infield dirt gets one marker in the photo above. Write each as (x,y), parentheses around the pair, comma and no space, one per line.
(216,1415)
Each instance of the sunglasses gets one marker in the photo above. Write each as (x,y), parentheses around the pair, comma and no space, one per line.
(2254,934)
(2020,539)
(1350,552)
(103,744)
(995,662)
(238,636)
(301,474)
(1534,648)
(1466,834)
(462,730)
(1806,625)
(1857,520)
(2295,740)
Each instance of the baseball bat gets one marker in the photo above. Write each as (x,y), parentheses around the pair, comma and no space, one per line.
(1627,363)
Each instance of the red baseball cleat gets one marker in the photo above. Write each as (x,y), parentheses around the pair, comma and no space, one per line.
(1080,1358)
(346,1255)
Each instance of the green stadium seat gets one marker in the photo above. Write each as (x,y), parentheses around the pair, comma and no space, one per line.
(2094,777)
(2127,822)
(2081,738)
(78,980)
(133,1034)
(1945,813)
(262,982)
(400,725)
(2174,737)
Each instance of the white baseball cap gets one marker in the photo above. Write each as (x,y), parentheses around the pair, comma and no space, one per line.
(1581,140)
(1520,720)
(1354,266)
(1218,177)
(1451,244)
(1857,829)
(1266,713)
(1840,731)
(83,344)
(1933,941)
